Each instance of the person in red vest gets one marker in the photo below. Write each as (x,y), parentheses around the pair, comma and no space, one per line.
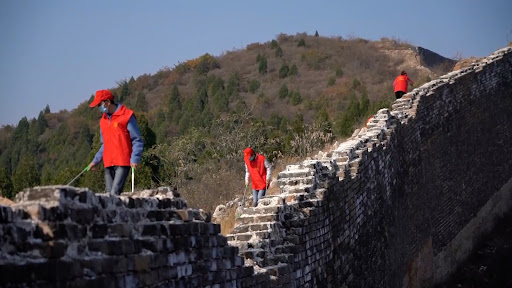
(259,171)
(401,82)
(122,143)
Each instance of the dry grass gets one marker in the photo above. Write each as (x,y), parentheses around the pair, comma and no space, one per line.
(5,201)
(228,223)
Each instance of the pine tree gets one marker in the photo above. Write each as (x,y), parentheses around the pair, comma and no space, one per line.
(293,70)
(279,52)
(262,67)
(26,175)
(141,104)
(283,71)
(125,91)
(174,105)
(5,184)
(283,91)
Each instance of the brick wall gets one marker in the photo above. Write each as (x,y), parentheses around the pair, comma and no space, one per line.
(392,205)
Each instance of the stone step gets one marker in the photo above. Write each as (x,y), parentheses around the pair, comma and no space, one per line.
(293,181)
(257,227)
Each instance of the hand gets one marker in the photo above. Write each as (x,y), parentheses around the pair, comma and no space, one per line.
(91,167)
(246,183)
(134,165)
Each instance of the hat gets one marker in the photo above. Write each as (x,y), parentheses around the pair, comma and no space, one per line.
(101,95)
(248,152)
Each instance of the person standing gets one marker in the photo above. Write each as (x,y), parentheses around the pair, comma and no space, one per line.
(259,171)
(400,84)
(122,143)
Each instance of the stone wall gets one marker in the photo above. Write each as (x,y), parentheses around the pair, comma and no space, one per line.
(399,204)
(62,236)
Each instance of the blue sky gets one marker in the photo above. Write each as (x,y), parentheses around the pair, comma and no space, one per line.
(60,52)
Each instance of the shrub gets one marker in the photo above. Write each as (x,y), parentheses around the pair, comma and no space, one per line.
(293,70)
(331,81)
(263,99)
(356,83)
(279,52)
(296,98)
(302,43)
(262,67)
(258,58)
(283,71)
(254,85)
(283,91)
(273,44)
(339,71)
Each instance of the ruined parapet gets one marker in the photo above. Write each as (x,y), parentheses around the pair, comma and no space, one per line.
(61,236)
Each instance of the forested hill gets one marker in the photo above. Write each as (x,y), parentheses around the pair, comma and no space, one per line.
(285,98)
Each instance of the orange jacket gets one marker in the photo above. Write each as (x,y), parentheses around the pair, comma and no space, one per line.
(401,82)
(117,145)
(258,172)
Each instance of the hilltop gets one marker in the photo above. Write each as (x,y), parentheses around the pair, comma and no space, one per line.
(285,98)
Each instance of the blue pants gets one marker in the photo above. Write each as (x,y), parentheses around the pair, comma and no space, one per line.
(115,176)
(256,195)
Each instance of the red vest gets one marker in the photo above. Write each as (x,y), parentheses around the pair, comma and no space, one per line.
(117,145)
(401,83)
(258,172)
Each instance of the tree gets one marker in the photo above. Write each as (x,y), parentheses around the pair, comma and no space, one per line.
(125,91)
(46,109)
(331,81)
(296,98)
(316,33)
(344,125)
(262,67)
(322,121)
(26,175)
(283,91)
(148,135)
(233,87)
(273,44)
(293,70)
(5,184)
(258,58)
(254,85)
(279,52)
(302,43)
(339,71)
(174,104)
(141,104)
(283,71)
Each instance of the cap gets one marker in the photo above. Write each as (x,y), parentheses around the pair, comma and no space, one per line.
(101,95)
(248,152)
